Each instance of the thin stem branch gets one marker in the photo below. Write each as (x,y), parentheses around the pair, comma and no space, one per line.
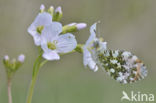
(31,89)
(9,91)
(36,68)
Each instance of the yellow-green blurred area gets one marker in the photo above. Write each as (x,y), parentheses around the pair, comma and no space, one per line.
(125,24)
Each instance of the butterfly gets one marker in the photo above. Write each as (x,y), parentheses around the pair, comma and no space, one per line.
(121,65)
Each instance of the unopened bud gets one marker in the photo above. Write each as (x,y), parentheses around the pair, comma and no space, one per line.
(21,58)
(73,27)
(42,8)
(81,26)
(51,10)
(71,24)
(57,14)
(6,58)
(59,10)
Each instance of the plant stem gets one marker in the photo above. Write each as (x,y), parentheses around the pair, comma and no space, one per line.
(37,66)
(9,91)
(31,89)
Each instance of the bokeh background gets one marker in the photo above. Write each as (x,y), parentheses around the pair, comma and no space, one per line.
(125,24)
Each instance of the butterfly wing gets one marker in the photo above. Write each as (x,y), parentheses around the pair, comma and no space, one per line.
(122,65)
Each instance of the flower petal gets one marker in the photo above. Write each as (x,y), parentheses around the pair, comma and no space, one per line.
(44,45)
(42,19)
(37,39)
(51,55)
(50,32)
(66,43)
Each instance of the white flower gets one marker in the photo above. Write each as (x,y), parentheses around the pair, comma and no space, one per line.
(89,49)
(38,25)
(53,43)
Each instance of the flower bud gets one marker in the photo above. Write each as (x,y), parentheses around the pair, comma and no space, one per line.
(71,24)
(13,65)
(6,58)
(57,14)
(51,10)
(73,27)
(42,8)
(59,10)
(21,58)
(81,26)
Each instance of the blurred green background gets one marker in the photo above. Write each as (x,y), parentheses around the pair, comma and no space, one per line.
(125,24)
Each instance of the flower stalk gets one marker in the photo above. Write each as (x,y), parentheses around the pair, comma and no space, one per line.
(11,66)
(9,91)
(37,65)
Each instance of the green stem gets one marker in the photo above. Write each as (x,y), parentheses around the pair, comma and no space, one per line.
(37,66)
(9,91)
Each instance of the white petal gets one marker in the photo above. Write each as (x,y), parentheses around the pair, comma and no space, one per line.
(66,43)
(37,39)
(50,32)
(44,45)
(42,19)
(52,55)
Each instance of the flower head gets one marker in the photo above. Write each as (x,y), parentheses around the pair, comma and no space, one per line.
(90,48)
(36,28)
(11,66)
(53,43)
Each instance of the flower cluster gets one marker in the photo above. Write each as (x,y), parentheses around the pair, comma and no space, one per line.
(53,38)
(13,65)
(121,65)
